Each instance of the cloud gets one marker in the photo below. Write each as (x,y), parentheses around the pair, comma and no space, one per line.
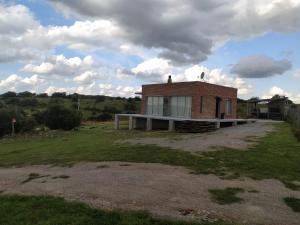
(18,28)
(98,89)
(83,84)
(215,76)
(17,83)
(86,35)
(258,66)
(16,19)
(296,73)
(87,77)
(158,70)
(154,69)
(185,32)
(275,90)
(61,66)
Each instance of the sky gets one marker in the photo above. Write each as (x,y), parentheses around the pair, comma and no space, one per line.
(112,47)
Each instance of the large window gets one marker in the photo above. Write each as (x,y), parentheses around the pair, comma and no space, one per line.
(155,105)
(181,106)
(228,105)
(177,106)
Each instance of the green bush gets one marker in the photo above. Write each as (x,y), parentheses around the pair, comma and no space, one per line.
(5,125)
(23,124)
(59,117)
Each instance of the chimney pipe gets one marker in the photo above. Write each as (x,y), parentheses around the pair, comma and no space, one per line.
(170,79)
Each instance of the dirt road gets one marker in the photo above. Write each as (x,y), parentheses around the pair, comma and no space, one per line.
(160,189)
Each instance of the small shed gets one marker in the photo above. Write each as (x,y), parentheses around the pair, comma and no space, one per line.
(275,108)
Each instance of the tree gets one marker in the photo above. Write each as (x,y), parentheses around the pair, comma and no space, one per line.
(59,117)
(59,95)
(9,94)
(42,95)
(5,125)
(130,106)
(25,94)
(23,124)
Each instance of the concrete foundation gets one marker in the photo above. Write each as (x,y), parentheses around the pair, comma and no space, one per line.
(146,122)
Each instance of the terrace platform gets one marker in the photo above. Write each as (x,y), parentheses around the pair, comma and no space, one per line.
(149,122)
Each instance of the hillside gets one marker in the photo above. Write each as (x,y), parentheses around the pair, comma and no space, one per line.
(92,107)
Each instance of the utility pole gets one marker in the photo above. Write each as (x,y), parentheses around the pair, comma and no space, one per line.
(13,121)
(78,104)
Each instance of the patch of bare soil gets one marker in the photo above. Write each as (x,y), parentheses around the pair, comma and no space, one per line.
(238,137)
(160,189)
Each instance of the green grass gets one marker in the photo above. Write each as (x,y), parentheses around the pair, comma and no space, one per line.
(29,210)
(293,203)
(274,156)
(226,196)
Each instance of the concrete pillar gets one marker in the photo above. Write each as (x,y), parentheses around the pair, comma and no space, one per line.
(171,125)
(134,122)
(149,124)
(117,121)
(218,124)
(234,123)
(130,125)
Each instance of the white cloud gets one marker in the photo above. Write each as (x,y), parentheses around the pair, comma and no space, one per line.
(275,90)
(86,35)
(17,83)
(61,66)
(15,19)
(158,69)
(155,69)
(98,89)
(216,76)
(19,32)
(87,77)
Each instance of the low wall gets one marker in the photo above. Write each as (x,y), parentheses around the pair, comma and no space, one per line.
(294,115)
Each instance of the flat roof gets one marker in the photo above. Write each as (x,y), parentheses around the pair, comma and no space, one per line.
(189,82)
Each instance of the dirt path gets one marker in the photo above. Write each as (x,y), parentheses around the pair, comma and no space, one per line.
(238,137)
(162,190)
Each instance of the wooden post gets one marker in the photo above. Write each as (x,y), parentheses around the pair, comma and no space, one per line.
(12,129)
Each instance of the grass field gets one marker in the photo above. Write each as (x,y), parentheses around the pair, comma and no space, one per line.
(30,210)
(275,156)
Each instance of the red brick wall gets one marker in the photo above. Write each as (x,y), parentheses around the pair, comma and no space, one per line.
(196,90)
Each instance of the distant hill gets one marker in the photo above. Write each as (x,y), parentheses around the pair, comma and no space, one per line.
(92,107)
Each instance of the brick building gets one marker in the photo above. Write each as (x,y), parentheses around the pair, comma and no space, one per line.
(191,100)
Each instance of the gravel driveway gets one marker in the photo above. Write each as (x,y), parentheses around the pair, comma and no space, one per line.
(238,137)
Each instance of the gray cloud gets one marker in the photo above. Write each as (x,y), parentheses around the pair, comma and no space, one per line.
(185,31)
(258,66)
